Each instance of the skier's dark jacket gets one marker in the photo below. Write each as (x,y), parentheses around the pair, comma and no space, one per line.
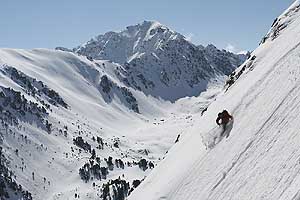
(224,117)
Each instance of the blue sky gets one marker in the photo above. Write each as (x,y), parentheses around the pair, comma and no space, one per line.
(238,24)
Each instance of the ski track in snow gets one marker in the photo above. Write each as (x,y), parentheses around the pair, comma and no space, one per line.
(258,137)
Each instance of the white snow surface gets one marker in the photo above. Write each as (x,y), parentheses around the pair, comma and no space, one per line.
(260,158)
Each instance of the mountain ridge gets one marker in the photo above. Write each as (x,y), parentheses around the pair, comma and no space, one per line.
(159,61)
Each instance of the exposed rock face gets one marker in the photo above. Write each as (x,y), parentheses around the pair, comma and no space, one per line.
(109,89)
(34,87)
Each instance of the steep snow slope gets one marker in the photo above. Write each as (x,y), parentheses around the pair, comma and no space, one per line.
(260,159)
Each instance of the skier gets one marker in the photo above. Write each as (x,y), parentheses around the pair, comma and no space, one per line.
(224,117)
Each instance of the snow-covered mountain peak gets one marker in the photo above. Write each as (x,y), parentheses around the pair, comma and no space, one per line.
(144,30)
(122,46)
(211,47)
(144,39)
(159,61)
(146,26)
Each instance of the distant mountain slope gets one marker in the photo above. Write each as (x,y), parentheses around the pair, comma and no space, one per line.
(160,61)
(260,158)
(62,116)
